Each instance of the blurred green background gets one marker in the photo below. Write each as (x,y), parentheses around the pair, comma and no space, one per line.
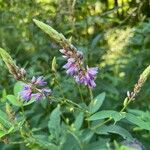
(113,35)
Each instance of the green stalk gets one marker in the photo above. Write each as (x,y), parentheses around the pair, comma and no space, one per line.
(143,77)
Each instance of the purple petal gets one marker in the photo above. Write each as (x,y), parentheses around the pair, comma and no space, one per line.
(37,96)
(67,65)
(91,84)
(79,79)
(27,87)
(72,60)
(33,80)
(72,70)
(26,94)
(40,81)
(46,92)
(92,71)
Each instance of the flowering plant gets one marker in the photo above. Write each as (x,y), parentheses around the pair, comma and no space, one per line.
(59,132)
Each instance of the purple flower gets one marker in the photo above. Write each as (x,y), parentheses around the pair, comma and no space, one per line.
(79,79)
(90,76)
(71,67)
(38,81)
(90,83)
(75,68)
(26,93)
(92,71)
(87,77)
(37,96)
(46,91)
(31,90)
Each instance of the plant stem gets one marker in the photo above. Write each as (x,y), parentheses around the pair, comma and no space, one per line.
(70,103)
(81,96)
(91,93)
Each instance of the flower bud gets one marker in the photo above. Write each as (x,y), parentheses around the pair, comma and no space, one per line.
(23,72)
(125,101)
(63,51)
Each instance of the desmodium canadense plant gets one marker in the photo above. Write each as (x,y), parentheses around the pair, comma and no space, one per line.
(59,132)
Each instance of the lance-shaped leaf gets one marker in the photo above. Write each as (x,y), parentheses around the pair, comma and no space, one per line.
(4,120)
(138,121)
(58,37)
(114,129)
(13,69)
(107,114)
(96,103)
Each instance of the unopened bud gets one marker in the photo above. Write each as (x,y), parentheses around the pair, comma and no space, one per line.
(72,48)
(67,120)
(80,54)
(125,101)
(69,53)
(54,64)
(128,94)
(65,56)
(23,72)
(63,51)
(71,109)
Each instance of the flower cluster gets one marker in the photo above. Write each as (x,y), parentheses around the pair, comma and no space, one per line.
(35,89)
(75,68)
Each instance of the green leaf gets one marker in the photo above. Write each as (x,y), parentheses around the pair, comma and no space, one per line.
(54,122)
(19,102)
(142,114)
(4,95)
(78,122)
(4,120)
(97,145)
(14,100)
(137,121)
(95,41)
(96,103)
(18,88)
(114,129)
(43,141)
(71,142)
(10,130)
(107,114)
(86,135)
(29,102)
(2,133)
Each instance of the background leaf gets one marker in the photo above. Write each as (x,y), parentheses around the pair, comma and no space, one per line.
(78,122)
(96,103)
(14,100)
(114,129)
(137,121)
(4,120)
(71,142)
(18,87)
(107,114)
